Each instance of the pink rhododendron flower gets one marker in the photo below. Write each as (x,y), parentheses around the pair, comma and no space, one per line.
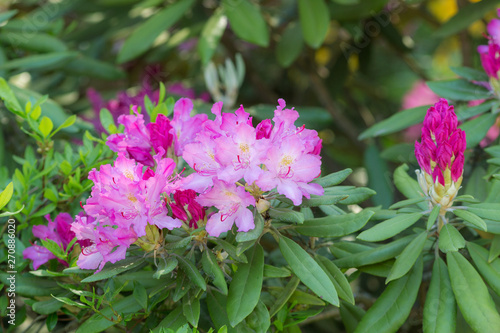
(186,208)
(184,126)
(58,231)
(161,133)
(232,202)
(490,54)
(440,154)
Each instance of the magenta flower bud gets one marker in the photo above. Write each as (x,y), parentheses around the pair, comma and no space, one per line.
(264,129)
(161,133)
(440,155)
(186,208)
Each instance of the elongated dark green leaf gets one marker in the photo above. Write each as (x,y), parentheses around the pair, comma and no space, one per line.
(480,257)
(471,294)
(489,211)
(376,167)
(211,35)
(476,129)
(355,194)
(286,215)
(440,309)
(471,218)
(407,185)
(49,306)
(37,42)
(174,320)
(114,269)
(245,288)
(374,255)
(259,320)
(450,239)
(494,248)
(217,304)
(396,122)
(308,271)
(85,66)
(191,309)
(314,20)
(392,308)
(143,37)
(470,74)
(389,228)
(316,200)
(276,272)
(7,15)
(141,295)
(460,90)
(351,315)
(466,112)
(284,295)
(337,277)
(211,268)
(334,225)
(465,17)
(433,216)
(40,61)
(230,249)
(407,258)
(290,45)
(247,22)
(407,203)
(333,178)
(190,269)
(31,286)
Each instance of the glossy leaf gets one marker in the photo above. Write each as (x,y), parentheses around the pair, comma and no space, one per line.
(245,288)
(247,22)
(389,228)
(337,277)
(354,194)
(392,308)
(191,309)
(314,20)
(192,271)
(470,74)
(460,90)
(284,295)
(480,257)
(114,269)
(494,248)
(290,45)
(450,239)
(431,221)
(45,126)
(40,61)
(212,269)
(335,225)
(6,195)
(471,218)
(253,234)
(489,211)
(476,129)
(308,270)
(471,294)
(286,215)
(143,37)
(407,258)
(333,178)
(440,309)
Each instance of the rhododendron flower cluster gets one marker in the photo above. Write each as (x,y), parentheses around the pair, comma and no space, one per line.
(490,54)
(440,155)
(57,231)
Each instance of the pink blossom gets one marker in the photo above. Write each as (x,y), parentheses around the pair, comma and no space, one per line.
(490,54)
(161,133)
(184,126)
(420,94)
(232,203)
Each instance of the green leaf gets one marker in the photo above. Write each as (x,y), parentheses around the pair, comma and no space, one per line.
(333,178)
(440,309)
(141,295)
(212,269)
(286,215)
(255,232)
(389,228)
(470,74)
(459,90)
(431,221)
(114,269)
(408,186)
(40,61)
(284,295)
(190,269)
(450,239)
(465,17)
(230,249)
(94,68)
(407,258)
(476,129)
(314,20)
(211,35)
(392,308)
(308,271)
(48,306)
(276,272)
(471,294)
(396,122)
(191,309)
(5,16)
(174,320)
(143,37)
(495,248)
(217,304)
(31,286)
(335,225)
(465,112)
(374,255)
(375,167)
(407,203)
(6,195)
(10,99)
(165,267)
(67,123)
(290,45)
(351,316)
(245,288)
(489,211)
(247,22)
(259,320)
(69,301)
(316,200)
(45,126)
(471,218)
(337,277)
(51,321)
(355,194)
(107,121)
(480,257)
